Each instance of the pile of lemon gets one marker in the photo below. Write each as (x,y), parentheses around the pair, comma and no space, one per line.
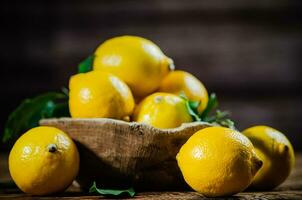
(133,80)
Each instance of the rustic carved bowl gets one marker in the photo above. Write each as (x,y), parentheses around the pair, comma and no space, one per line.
(115,153)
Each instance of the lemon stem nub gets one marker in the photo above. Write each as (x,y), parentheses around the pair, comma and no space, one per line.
(283,149)
(259,164)
(52,148)
(286,148)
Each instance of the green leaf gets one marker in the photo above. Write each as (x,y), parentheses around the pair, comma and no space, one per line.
(212,103)
(221,118)
(28,114)
(111,192)
(192,106)
(219,115)
(183,95)
(65,91)
(228,123)
(86,65)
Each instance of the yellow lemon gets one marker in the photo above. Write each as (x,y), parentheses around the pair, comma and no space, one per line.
(218,161)
(135,60)
(44,160)
(277,154)
(99,94)
(162,110)
(178,81)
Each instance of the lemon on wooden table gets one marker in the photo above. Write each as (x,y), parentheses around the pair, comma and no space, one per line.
(162,110)
(136,60)
(43,161)
(277,154)
(178,82)
(98,94)
(218,161)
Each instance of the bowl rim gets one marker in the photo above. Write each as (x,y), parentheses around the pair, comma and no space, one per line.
(132,124)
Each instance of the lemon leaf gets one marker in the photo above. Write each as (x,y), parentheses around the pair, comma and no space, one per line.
(192,106)
(212,103)
(228,123)
(111,192)
(183,95)
(28,114)
(65,91)
(221,118)
(86,65)
(219,115)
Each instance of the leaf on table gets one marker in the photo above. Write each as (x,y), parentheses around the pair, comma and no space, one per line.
(28,114)
(111,192)
(86,65)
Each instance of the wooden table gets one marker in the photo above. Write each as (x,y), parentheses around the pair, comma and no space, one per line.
(290,189)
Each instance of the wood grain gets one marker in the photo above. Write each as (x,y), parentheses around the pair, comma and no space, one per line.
(290,189)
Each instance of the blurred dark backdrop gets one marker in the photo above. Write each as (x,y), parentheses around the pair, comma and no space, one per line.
(248,52)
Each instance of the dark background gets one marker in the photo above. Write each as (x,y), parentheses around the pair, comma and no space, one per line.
(248,52)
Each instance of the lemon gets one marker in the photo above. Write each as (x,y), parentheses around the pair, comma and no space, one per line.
(277,154)
(162,110)
(98,94)
(218,161)
(135,60)
(44,160)
(178,82)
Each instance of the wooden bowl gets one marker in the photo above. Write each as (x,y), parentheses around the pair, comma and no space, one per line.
(119,154)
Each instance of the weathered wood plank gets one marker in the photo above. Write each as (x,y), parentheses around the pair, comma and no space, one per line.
(170,195)
(290,189)
(255,56)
